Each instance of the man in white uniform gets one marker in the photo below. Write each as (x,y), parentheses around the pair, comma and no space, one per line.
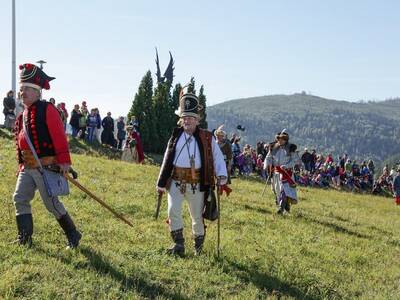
(191,162)
(280,160)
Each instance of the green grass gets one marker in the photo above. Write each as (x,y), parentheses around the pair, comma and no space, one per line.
(333,245)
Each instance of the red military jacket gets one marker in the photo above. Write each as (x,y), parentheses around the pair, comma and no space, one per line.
(45,130)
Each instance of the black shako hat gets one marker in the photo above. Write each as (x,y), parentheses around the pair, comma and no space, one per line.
(188,105)
(34,77)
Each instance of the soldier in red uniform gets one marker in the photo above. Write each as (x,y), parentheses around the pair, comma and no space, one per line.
(46,133)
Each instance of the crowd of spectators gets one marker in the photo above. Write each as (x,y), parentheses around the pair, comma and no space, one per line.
(80,123)
(317,170)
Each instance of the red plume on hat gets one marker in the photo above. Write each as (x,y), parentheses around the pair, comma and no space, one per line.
(34,77)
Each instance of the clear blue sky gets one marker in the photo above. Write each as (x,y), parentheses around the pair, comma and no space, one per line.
(100,50)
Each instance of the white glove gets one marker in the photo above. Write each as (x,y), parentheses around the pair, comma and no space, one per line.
(161,190)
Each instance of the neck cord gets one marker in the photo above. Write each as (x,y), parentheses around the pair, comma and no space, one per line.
(180,151)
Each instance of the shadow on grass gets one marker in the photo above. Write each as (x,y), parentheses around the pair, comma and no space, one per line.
(330,225)
(256,209)
(139,282)
(266,283)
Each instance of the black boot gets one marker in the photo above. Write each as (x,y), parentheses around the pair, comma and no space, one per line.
(69,228)
(198,244)
(287,206)
(179,247)
(25,229)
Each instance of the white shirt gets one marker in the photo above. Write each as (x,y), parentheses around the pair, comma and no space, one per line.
(281,158)
(182,158)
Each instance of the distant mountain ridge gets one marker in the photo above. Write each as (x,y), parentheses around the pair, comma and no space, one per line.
(363,130)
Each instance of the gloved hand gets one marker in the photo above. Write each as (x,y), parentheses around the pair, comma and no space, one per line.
(161,190)
(224,188)
(64,168)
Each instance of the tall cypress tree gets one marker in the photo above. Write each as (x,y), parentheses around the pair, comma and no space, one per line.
(162,116)
(142,109)
(192,86)
(174,104)
(202,101)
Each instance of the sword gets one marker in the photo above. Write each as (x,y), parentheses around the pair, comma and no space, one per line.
(159,198)
(94,197)
(268,180)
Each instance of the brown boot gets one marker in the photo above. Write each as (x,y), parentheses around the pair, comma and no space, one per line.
(179,247)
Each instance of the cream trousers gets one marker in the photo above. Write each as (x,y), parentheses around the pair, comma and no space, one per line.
(196,206)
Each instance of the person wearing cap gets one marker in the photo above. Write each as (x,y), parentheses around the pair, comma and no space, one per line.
(281,159)
(46,133)
(191,162)
(226,149)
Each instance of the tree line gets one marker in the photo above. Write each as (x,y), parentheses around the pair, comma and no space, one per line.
(362,135)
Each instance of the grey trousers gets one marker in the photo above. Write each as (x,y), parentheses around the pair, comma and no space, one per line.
(28,181)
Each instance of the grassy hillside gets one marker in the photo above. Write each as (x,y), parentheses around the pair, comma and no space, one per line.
(333,245)
(363,130)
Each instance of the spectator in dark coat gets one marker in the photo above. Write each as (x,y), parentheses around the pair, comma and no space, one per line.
(307,158)
(74,121)
(121,133)
(9,110)
(314,160)
(107,136)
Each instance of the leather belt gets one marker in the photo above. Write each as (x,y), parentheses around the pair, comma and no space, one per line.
(184,175)
(31,163)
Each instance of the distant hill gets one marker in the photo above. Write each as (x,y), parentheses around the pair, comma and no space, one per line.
(363,130)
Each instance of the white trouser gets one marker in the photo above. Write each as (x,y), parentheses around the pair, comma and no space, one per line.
(28,181)
(196,206)
(278,186)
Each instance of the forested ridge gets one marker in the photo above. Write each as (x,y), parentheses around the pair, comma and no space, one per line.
(363,130)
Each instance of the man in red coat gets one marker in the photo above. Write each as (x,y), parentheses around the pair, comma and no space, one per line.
(46,132)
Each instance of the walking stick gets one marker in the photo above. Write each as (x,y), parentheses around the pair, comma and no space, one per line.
(218,224)
(265,186)
(97,199)
(268,180)
(220,190)
(159,198)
